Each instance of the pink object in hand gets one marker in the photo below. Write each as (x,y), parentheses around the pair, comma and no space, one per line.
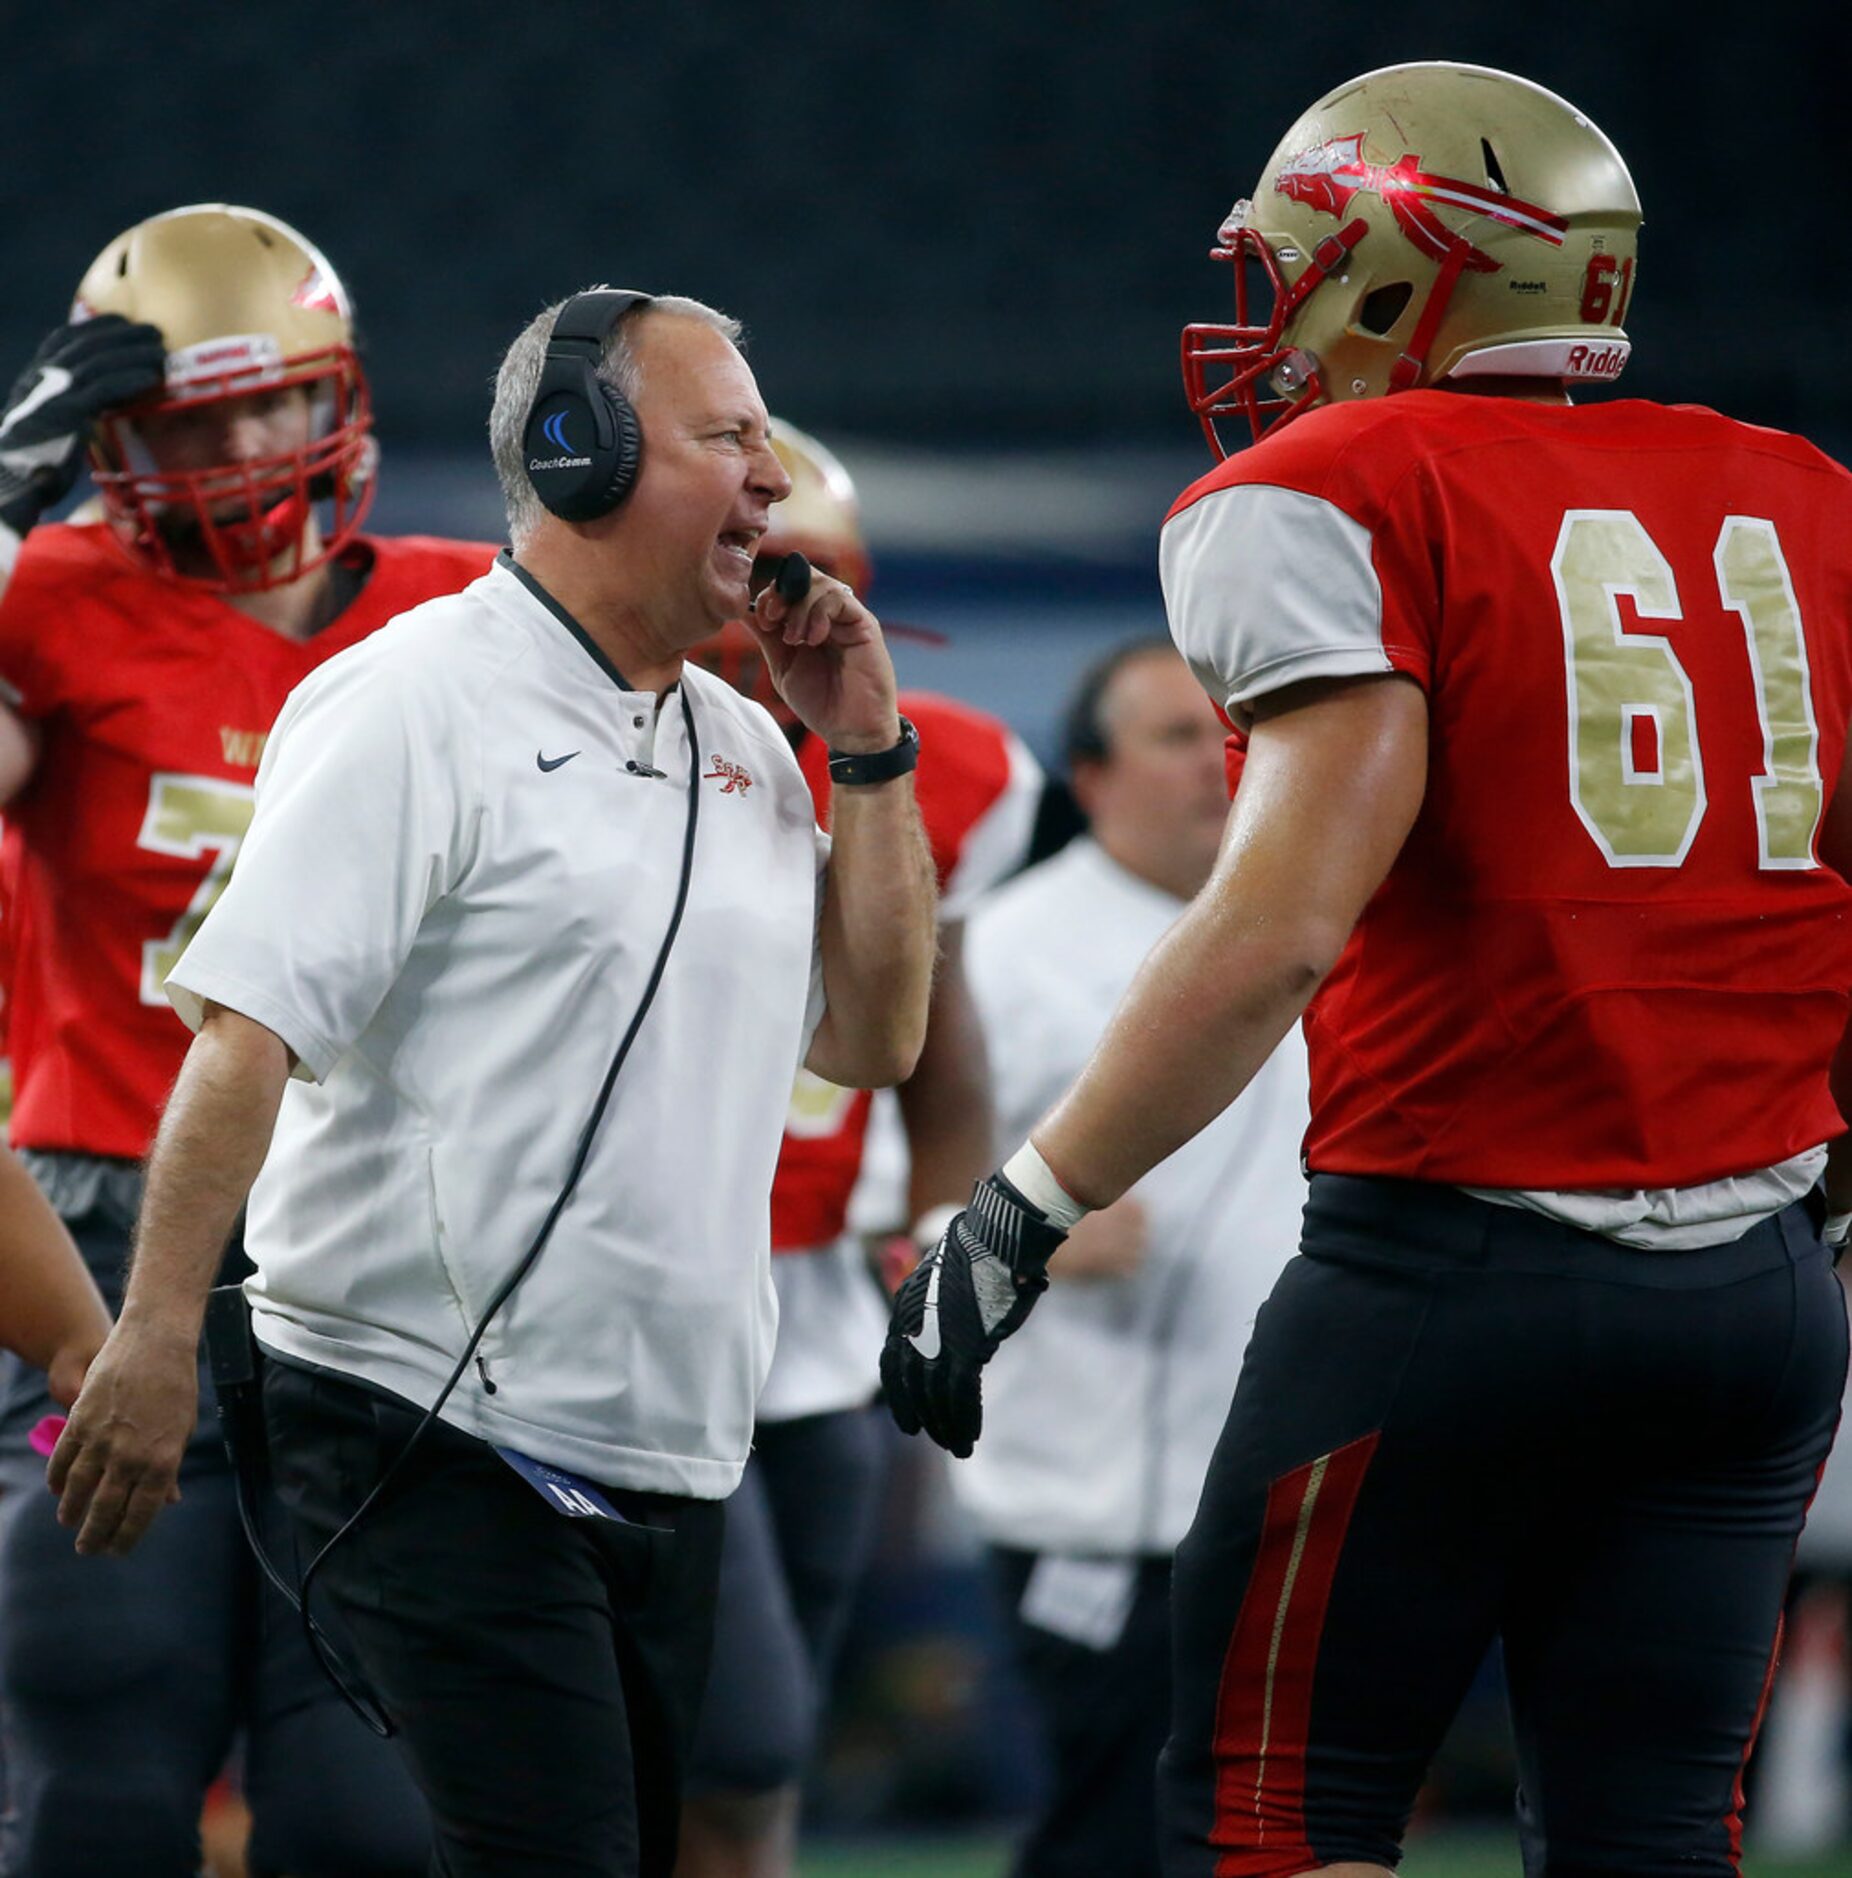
(44,1436)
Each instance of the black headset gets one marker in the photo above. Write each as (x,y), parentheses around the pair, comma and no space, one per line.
(583,443)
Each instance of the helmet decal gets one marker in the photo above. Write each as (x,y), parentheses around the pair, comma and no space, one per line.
(1327,177)
(320,292)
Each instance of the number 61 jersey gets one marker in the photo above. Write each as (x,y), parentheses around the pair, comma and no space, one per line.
(153,699)
(1608,954)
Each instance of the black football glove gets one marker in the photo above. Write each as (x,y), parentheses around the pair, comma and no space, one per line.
(964,1297)
(81,371)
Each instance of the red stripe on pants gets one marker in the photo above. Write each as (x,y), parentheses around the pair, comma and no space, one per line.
(1264,1703)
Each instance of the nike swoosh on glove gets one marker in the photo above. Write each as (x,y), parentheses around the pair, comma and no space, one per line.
(965,1296)
(81,371)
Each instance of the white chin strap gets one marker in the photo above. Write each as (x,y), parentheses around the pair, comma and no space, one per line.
(1599,359)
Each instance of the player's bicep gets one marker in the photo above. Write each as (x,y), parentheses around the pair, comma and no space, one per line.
(1335,776)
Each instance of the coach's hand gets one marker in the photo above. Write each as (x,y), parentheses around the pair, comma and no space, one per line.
(831,665)
(118,1460)
(966,1295)
(81,371)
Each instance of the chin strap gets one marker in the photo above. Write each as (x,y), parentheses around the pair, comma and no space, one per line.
(1405,374)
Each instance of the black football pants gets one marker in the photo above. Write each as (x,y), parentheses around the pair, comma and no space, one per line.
(543,1672)
(1459,1422)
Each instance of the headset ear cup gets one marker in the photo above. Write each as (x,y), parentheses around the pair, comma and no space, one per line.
(583,441)
(626,449)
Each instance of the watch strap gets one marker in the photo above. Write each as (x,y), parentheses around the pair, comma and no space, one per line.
(878,766)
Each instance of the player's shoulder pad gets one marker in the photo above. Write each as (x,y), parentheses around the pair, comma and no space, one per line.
(1719,430)
(429,564)
(967,756)
(1351,454)
(61,556)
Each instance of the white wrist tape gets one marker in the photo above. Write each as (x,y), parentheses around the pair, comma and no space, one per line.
(1029,1174)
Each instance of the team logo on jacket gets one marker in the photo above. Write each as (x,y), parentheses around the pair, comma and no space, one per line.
(1327,177)
(732,777)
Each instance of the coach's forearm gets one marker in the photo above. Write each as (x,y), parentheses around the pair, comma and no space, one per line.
(945,1104)
(212,1141)
(877,937)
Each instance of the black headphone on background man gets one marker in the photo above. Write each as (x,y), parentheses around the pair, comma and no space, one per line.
(583,442)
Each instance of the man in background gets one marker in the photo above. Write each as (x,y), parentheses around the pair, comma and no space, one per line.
(1099,1432)
(210,368)
(800,1527)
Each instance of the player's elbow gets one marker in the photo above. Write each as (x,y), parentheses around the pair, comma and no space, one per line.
(1318,943)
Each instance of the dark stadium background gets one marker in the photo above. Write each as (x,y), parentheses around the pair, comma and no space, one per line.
(963,236)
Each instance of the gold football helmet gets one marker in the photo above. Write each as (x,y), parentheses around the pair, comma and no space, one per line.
(820,520)
(1422,222)
(245,305)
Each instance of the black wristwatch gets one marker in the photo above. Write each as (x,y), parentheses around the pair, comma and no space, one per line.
(878,766)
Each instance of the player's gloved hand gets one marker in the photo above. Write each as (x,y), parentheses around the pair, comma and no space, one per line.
(81,371)
(965,1296)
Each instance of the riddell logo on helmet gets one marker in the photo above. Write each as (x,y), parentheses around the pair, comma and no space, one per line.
(1326,178)
(1597,361)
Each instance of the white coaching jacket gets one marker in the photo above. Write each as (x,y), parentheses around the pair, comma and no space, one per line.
(1100,1414)
(456,884)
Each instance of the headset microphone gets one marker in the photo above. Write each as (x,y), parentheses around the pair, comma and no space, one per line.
(793,579)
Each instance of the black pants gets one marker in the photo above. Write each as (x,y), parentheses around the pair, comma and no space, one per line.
(1458,1421)
(1104,1714)
(124,1681)
(543,1672)
(799,1531)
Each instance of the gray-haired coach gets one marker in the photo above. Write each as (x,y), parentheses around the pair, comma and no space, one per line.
(487,843)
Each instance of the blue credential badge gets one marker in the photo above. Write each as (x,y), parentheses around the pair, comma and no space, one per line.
(565,1493)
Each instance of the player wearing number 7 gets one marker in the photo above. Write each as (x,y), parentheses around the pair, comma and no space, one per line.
(209,369)
(1543,829)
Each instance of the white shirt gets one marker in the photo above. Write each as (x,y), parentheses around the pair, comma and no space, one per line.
(1100,1414)
(450,899)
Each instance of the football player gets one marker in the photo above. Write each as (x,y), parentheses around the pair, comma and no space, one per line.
(1543,813)
(800,1526)
(210,371)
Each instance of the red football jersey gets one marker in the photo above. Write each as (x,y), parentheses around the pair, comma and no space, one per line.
(977,789)
(154,699)
(1607,955)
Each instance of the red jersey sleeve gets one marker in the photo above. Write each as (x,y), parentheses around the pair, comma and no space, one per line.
(1306,557)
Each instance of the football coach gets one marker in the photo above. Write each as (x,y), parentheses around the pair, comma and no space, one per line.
(531,931)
